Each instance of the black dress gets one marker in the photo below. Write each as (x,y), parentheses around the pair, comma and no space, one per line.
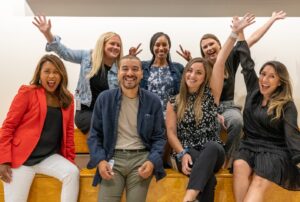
(270,147)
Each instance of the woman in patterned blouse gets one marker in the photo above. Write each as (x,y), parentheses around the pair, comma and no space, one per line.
(191,119)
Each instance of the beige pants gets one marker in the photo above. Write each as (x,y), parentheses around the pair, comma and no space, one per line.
(126,177)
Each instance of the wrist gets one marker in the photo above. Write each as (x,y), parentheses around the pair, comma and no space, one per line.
(233,35)
(182,153)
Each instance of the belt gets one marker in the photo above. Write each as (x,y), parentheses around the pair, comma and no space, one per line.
(131,150)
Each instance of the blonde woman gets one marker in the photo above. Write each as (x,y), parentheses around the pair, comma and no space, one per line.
(191,119)
(98,68)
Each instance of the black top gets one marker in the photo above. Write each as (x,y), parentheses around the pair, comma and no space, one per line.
(51,137)
(191,134)
(271,147)
(231,65)
(98,84)
(263,133)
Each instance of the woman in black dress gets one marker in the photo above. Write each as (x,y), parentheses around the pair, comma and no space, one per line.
(270,149)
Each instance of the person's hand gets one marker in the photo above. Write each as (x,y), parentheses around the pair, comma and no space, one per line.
(186,162)
(146,169)
(134,51)
(186,54)
(221,120)
(105,170)
(278,15)
(42,24)
(239,24)
(5,173)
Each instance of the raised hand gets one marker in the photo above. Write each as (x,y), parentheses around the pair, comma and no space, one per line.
(278,15)
(42,24)
(239,24)
(135,50)
(186,54)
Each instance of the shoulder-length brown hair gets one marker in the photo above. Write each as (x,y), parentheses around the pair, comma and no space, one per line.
(64,96)
(214,37)
(182,97)
(283,93)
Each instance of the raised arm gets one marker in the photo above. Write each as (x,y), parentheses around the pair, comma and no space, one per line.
(44,26)
(258,34)
(217,78)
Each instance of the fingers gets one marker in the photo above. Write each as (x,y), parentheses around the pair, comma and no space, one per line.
(146,170)
(105,170)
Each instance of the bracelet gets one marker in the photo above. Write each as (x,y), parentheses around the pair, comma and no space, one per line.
(233,35)
(182,153)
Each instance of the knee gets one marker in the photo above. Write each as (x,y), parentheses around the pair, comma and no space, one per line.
(235,126)
(215,148)
(72,173)
(260,182)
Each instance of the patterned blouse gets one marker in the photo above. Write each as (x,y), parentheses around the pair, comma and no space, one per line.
(191,134)
(160,82)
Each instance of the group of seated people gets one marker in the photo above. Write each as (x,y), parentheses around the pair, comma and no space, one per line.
(136,112)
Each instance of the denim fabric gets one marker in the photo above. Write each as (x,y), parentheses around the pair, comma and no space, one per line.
(82,57)
(103,133)
(176,73)
(234,124)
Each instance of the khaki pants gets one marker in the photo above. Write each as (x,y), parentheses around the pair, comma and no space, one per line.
(126,176)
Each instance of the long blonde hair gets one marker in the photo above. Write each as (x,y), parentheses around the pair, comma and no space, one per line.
(182,97)
(283,93)
(98,52)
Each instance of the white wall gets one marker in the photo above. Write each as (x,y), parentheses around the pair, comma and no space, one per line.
(22,45)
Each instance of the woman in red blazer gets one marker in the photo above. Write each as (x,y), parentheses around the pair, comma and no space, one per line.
(37,134)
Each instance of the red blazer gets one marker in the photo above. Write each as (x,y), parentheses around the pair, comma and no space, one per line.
(24,123)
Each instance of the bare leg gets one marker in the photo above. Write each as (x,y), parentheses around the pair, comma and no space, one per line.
(257,189)
(242,173)
(190,195)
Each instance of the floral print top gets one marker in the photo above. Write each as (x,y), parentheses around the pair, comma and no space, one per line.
(191,134)
(160,82)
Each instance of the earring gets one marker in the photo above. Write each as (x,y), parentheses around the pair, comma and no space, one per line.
(40,81)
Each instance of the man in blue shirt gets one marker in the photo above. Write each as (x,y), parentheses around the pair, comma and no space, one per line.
(127,137)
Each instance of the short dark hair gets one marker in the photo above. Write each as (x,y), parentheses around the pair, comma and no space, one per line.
(130,57)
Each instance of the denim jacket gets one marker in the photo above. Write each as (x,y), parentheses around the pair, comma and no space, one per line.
(82,57)
(104,128)
(176,72)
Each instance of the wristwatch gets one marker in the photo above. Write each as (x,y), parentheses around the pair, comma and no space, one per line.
(182,153)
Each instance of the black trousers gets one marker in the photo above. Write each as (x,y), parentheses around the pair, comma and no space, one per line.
(83,120)
(206,163)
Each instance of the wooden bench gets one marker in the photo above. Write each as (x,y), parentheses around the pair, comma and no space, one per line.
(169,189)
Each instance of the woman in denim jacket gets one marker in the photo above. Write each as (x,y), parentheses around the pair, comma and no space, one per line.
(98,70)
(161,75)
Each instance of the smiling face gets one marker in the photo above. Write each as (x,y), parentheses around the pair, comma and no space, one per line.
(269,81)
(130,73)
(161,48)
(194,77)
(112,47)
(50,77)
(211,49)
